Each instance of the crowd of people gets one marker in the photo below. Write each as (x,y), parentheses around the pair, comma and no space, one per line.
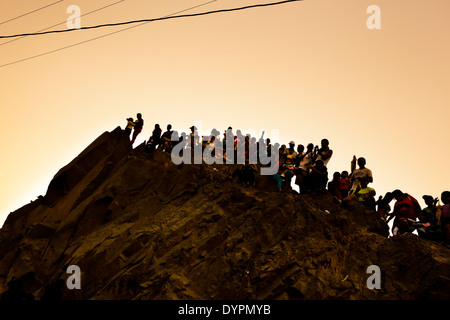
(308,170)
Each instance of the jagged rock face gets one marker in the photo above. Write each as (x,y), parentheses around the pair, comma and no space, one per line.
(140,227)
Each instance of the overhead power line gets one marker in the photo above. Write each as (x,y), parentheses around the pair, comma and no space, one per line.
(83,15)
(96,38)
(25,14)
(151,20)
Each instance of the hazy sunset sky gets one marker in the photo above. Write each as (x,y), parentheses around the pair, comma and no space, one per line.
(310,69)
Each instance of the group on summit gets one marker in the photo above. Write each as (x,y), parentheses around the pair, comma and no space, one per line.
(307,169)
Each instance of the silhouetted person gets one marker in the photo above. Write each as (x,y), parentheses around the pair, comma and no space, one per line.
(362,171)
(429,228)
(166,139)
(445,216)
(138,125)
(129,127)
(317,178)
(16,292)
(333,186)
(155,138)
(363,193)
(324,153)
(406,211)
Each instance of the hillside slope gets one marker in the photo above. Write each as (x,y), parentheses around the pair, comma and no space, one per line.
(140,227)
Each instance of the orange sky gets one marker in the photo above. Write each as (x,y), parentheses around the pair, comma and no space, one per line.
(309,69)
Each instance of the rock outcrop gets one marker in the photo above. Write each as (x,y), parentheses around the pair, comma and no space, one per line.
(140,227)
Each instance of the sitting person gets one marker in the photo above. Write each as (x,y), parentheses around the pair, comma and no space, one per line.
(406,211)
(154,140)
(362,171)
(285,173)
(317,178)
(333,186)
(429,229)
(166,140)
(363,193)
(344,184)
(291,153)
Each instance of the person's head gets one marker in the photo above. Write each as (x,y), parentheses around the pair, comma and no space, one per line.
(398,195)
(169,126)
(130,119)
(288,161)
(300,148)
(156,126)
(291,145)
(336,176)
(445,197)
(193,128)
(388,197)
(344,174)
(139,116)
(428,200)
(324,143)
(361,162)
(310,147)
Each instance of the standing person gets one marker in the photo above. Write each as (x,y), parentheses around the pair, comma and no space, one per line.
(361,172)
(138,125)
(306,161)
(129,127)
(445,215)
(324,153)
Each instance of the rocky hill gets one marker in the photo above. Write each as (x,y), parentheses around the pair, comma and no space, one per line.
(140,227)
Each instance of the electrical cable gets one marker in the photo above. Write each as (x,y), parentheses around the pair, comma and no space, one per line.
(25,14)
(83,15)
(99,37)
(151,20)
